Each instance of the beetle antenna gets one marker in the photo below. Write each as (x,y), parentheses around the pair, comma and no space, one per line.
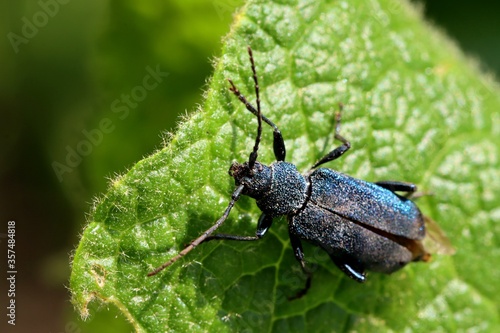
(253,154)
(278,143)
(234,197)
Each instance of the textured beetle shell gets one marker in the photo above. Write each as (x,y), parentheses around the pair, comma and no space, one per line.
(288,191)
(340,212)
(348,241)
(367,203)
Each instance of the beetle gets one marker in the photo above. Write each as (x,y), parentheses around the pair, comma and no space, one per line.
(362,226)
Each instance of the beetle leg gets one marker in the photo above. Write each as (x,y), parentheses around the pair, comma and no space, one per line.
(395,186)
(350,269)
(265,222)
(263,225)
(299,255)
(340,150)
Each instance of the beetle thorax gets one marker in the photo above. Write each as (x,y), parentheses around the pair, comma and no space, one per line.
(279,189)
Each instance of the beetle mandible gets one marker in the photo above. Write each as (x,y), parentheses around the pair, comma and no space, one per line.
(361,225)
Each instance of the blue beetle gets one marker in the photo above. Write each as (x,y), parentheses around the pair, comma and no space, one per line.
(361,225)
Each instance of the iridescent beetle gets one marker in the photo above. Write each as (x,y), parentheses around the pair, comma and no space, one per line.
(361,225)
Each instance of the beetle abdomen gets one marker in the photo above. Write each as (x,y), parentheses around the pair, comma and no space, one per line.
(366,203)
(348,241)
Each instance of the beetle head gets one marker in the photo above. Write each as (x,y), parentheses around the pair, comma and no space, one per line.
(257,181)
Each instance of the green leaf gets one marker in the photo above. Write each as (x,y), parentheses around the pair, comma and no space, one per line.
(415,110)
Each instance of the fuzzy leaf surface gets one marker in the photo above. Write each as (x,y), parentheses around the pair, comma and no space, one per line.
(415,110)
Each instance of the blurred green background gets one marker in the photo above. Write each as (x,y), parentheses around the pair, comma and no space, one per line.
(79,105)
